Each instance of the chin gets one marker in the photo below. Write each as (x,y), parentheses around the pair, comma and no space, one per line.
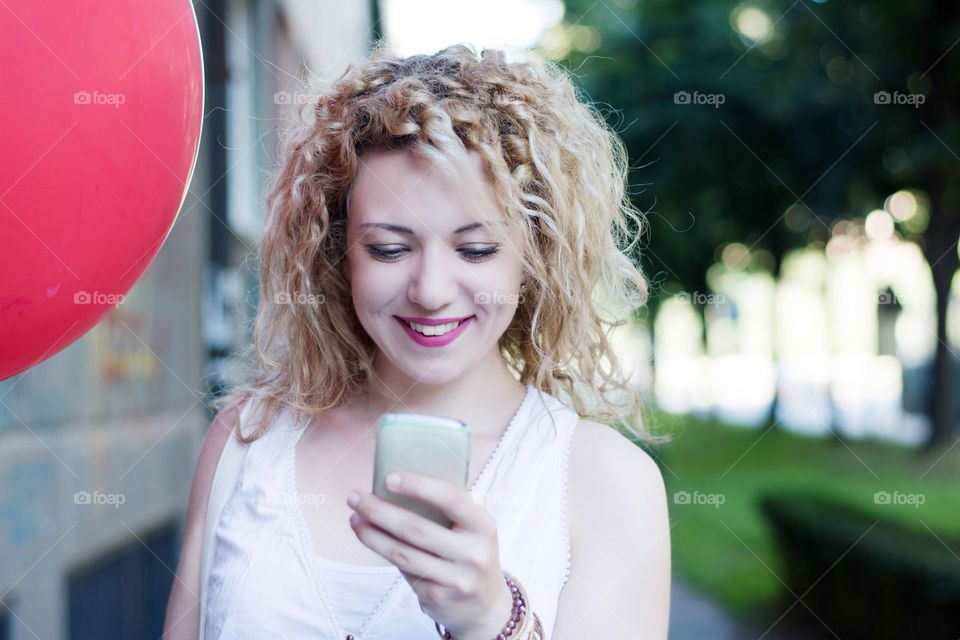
(436,376)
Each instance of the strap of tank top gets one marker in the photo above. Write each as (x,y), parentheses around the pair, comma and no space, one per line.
(224,479)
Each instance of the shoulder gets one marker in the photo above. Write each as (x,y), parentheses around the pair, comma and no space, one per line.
(610,479)
(223,425)
(602,453)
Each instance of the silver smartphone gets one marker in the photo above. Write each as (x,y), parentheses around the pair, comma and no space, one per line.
(430,445)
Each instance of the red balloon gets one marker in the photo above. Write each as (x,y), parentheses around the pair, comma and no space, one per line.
(100,119)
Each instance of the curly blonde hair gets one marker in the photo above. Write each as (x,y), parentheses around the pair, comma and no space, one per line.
(556,168)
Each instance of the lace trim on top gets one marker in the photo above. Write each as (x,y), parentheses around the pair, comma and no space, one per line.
(316,561)
(563,502)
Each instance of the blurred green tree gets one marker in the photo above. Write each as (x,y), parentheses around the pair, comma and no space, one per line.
(764,123)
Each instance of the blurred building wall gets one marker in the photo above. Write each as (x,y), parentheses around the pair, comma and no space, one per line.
(98,444)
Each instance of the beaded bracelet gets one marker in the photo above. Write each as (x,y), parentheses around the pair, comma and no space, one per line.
(517,614)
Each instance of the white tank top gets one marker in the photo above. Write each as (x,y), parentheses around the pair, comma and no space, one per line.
(267,581)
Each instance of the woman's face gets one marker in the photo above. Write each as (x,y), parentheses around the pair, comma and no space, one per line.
(431,285)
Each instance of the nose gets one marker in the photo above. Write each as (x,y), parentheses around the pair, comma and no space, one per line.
(433,282)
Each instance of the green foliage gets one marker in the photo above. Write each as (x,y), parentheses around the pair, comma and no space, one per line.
(798,124)
(728,549)
(865,577)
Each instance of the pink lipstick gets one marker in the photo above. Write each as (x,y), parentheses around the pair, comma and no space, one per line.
(434,341)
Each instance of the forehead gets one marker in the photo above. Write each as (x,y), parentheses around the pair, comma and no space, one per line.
(398,183)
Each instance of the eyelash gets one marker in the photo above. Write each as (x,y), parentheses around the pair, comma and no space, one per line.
(473,255)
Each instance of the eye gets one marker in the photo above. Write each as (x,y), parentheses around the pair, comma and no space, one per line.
(393,253)
(480,254)
(389,254)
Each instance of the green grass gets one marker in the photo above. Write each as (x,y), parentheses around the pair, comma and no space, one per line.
(727,549)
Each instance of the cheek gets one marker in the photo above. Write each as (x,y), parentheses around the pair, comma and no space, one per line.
(372,287)
(501,282)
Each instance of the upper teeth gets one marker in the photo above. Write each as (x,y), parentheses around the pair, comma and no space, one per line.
(436,330)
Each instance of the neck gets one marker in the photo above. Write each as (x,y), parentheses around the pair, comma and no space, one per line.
(469,398)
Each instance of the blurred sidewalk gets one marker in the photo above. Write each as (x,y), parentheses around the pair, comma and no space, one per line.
(695,616)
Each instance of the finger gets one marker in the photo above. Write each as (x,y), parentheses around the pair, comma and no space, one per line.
(446,496)
(406,525)
(407,558)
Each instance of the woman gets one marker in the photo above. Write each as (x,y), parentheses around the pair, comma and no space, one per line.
(442,238)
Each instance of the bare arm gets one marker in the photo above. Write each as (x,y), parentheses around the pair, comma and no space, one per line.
(619,582)
(183,610)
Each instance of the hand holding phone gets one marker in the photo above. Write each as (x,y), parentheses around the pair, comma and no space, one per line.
(429,445)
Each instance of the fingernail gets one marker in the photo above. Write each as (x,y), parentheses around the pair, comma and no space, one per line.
(353,499)
(393,481)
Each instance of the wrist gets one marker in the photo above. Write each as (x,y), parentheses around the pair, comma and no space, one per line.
(513,602)
(492,624)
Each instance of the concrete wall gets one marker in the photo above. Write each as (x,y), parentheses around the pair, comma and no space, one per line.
(99,443)
(120,415)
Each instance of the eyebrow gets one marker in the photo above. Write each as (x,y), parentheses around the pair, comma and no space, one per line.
(408,231)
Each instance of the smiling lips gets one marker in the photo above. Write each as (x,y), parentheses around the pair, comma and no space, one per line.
(434,332)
